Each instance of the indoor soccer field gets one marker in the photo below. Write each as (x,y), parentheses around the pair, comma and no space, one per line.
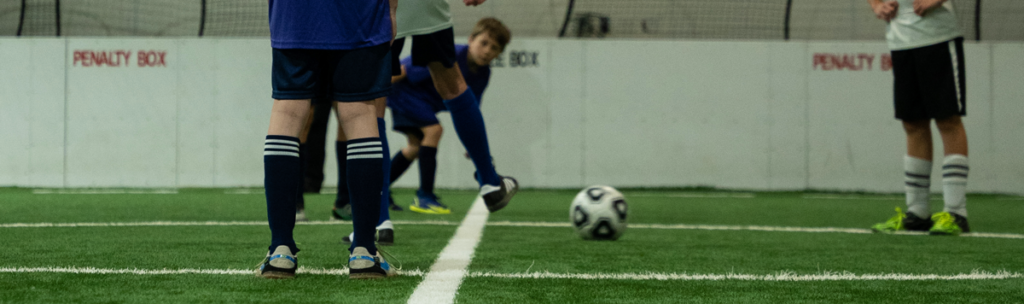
(692,246)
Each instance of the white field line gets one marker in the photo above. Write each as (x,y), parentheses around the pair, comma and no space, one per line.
(693,194)
(507,224)
(648,276)
(445,276)
(104,191)
(853,197)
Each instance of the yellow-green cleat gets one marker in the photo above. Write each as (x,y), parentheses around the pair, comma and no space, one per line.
(894,223)
(948,224)
(903,222)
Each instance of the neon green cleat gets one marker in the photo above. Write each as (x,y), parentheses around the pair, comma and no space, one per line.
(946,224)
(894,223)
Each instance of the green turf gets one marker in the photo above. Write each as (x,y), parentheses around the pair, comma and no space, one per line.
(504,250)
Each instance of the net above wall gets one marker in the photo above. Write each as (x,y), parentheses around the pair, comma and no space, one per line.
(695,19)
(996,20)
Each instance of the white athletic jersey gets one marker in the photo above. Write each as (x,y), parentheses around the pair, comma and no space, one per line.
(908,30)
(418,17)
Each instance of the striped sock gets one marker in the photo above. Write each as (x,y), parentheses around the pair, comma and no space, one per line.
(954,183)
(917,181)
(365,174)
(282,182)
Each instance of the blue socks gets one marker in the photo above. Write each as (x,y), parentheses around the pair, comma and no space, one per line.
(469,125)
(282,181)
(385,191)
(428,168)
(341,149)
(365,158)
(398,166)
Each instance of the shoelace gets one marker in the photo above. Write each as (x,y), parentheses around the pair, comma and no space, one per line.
(391,258)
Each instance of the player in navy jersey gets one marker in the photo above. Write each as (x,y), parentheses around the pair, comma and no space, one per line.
(344,44)
(415,103)
(428,24)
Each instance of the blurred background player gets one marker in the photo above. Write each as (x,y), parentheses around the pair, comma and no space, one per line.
(928,68)
(415,103)
(348,42)
(429,24)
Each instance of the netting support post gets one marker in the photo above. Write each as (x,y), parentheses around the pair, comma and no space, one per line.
(977,20)
(56,5)
(21,18)
(202,17)
(568,16)
(789,10)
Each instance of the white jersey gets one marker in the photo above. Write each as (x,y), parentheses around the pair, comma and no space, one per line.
(418,17)
(908,30)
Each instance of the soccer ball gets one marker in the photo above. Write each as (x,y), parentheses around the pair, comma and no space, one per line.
(599,213)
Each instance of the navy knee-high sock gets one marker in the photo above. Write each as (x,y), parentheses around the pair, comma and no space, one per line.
(281,181)
(301,203)
(398,166)
(365,178)
(341,152)
(469,125)
(385,190)
(428,169)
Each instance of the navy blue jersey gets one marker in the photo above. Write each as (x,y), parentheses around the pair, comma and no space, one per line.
(417,89)
(329,24)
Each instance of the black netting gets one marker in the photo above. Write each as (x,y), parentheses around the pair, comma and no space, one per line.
(692,19)
(1000,20)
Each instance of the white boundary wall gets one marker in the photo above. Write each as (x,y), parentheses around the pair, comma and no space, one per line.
(749,115)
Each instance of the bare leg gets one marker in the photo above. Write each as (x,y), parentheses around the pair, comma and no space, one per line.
(919,139)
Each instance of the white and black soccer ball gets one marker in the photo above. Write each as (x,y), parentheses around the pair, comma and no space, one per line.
(599,213)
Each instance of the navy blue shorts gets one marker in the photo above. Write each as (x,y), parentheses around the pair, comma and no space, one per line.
(343,75)
(410,123)
(438,46)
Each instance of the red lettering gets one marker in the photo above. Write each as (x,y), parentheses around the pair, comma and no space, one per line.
(79,55)
(886,62)
(821,61)
(152,58)
(867,57)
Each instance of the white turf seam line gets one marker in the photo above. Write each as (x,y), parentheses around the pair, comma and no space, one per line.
(442,281)
(780,276)
(505,224)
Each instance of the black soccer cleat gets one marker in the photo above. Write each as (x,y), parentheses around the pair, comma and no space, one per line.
(497,199)
(914,223)
(962,222)
(386,237)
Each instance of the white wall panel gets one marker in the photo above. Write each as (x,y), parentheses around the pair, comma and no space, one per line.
(32,112)
(787,116)
(677,113)
(748,115)
(1007,118)
(121,119)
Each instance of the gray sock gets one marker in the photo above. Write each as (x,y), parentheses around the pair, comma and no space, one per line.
(917,181)
(954,183)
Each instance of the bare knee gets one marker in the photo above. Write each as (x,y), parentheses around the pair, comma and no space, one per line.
(917,127)
(448,81)
(950,124)
(432,135)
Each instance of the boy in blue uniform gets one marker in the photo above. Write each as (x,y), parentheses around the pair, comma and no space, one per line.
(348,43)
(415,103)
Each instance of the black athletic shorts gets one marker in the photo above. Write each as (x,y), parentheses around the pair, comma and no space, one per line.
(438,46)
(929,81)
(343,75)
